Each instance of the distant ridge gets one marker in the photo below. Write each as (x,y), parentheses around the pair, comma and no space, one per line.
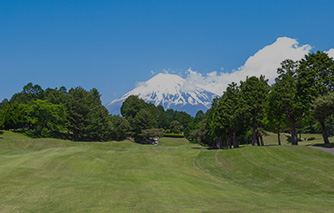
(170,91)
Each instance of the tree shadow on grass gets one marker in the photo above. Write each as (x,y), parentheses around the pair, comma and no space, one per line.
(210,148)
(272,145)
(201,147)
(328,145)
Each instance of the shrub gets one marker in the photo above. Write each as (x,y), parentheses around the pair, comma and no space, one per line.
(173,135)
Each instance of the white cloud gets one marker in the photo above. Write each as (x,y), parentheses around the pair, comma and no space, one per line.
(264,62)
(152,72)
(331,53)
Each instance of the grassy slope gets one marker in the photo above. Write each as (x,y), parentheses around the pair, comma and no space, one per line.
(48,175)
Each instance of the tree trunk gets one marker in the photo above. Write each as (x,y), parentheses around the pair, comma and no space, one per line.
(294,140)
(260,136)
(254,136)
(229,142)
(323,130)
(278,136)
(300,136)
(220,143)
(235,141)
(257,137)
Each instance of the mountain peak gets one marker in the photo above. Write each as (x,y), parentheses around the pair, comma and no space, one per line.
(168,90)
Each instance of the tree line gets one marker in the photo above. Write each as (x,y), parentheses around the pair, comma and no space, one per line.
(300,99)
(79,115)
(76,114)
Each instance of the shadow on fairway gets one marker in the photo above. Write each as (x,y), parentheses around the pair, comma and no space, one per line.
(210,148)
(329,145)
(272,145)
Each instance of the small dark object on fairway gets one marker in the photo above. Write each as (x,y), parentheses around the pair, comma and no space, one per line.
(155,141)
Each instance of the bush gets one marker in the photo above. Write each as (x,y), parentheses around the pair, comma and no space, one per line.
(173,135)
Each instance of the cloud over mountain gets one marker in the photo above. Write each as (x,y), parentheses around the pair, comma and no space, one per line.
(264,62)
(331,53)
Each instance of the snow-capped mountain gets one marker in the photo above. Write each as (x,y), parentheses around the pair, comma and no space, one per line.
(170,91)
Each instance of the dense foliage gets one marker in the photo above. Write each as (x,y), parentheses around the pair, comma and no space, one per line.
(302,94)
(77,114)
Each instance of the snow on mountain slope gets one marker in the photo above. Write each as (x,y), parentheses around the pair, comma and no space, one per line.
(170,91)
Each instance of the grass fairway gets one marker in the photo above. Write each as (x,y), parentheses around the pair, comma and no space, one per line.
(49,175)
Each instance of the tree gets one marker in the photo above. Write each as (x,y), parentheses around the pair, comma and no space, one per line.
(227,120)
(163,121)
(275,110)
(87,118)
(29,93)
(294,101)
(131,106)
(142,121)
(199,116)
(33,91)
(199,132)
(182,117)
(14,116)
(254,93)
(77,108)
(120,127)
(98,124)
(152,133)
(55,96)
(316,74)
(323,107)
(176,127)
(196,131)
(299,83)
(46,117)
(4,103)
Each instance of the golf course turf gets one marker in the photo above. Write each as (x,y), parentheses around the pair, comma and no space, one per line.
(50,175)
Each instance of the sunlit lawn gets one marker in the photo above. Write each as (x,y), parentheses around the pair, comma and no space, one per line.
(50,175)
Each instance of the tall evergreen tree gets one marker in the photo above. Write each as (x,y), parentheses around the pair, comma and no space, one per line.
(87,119)
(55,96)
(227,117)
(120,127)
(291,100)
(143,120)
(254,93)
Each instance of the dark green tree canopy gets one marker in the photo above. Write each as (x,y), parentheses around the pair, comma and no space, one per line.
(87,119)
(131,106)
(316,73)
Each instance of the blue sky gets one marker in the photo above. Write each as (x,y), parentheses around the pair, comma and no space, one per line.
(111,45)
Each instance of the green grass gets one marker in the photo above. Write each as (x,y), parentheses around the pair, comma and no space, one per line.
(49,175)
(272,139)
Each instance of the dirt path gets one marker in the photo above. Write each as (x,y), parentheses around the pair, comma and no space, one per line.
(330,150)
